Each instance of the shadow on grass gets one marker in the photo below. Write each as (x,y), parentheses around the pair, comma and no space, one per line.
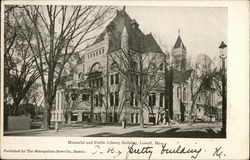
(172,133)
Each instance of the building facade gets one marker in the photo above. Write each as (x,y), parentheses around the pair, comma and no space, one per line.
(97,91)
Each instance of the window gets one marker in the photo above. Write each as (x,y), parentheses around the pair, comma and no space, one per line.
(94,54)
(101,82)
(111,79)
(136,102)
(96,100)
(137,118)
(79,75)
(161,99)
(111,99)
(184,94)
(116,98)
(161,67)
(136,79)
(131,98)
(132,117)
(178,92)
(110,117)
(152,100)
(97,82)
(96,116)
(73,96)
(100,98)
(116,78)
(199,99)
(102,50)
(115,117)
(85,97)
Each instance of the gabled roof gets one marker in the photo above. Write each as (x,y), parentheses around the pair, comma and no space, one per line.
(181,76)
(178,43)
(138,41)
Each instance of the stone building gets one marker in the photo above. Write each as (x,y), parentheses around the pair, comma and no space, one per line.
(94,91)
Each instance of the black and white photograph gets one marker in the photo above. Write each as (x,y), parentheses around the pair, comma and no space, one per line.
(124,79)
(115,71)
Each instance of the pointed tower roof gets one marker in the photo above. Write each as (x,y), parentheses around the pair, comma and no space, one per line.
(179,42)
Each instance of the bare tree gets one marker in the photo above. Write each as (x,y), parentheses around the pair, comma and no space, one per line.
(72,99)
(142,72)
(20,72)
(60,31)
(201,80)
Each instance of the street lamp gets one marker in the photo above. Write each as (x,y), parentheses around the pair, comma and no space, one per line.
(224,100)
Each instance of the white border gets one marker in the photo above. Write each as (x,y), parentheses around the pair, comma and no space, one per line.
(235,146)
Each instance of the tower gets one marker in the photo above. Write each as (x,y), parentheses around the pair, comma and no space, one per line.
(179,54)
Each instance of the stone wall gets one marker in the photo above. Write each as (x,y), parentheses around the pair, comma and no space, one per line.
(16,123)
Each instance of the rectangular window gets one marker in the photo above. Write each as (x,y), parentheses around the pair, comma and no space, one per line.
(97,82)
(111,99)
(111,79)
(184,94)
(161,99)
(85,97)
(132,99)
(96,100)
(73,96)
(96,116)
(152,98)
(137,118)
(101,82)
(136,79)
(115,117)
(136,102)
(100,98)
(178,92)
(116,78)
(110,117)
(116,98)
(132,117)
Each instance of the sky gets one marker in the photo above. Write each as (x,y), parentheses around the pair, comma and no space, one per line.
(201,28)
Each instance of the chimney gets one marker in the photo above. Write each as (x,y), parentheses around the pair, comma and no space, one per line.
(134,24)
(124,39)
